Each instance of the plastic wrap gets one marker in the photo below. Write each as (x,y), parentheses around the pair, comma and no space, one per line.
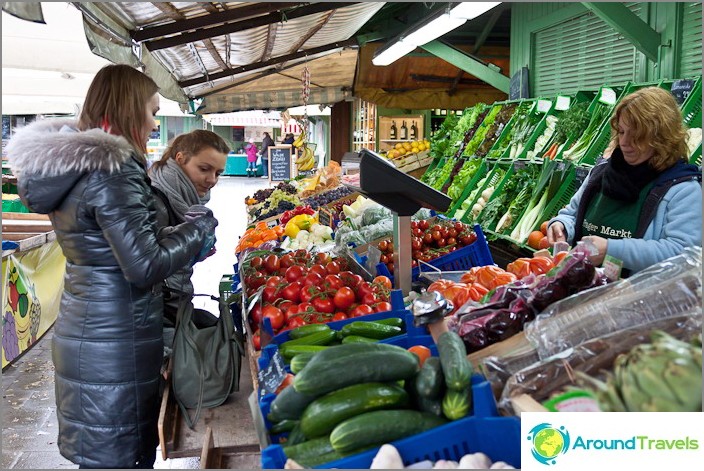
(544,378)
(666,289)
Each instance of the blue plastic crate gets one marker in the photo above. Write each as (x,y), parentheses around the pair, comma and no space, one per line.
(484,431)
(477,254)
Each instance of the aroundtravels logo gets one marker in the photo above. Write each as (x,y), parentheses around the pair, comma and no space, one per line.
(548,442)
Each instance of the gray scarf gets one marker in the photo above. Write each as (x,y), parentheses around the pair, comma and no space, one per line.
(178,188)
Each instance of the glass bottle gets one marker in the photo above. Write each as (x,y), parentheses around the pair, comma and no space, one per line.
(414,131)
(404,131)
(392,132)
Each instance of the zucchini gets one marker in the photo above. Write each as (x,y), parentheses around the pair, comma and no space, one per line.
(456,404)
(379,427)
(317,338)
(358,339)
(394,321)
(430,381)
(313,452)
(305,330)
(372,330)
(291,351)
(300,360)
(323,414)
(295,436)
(285,425)
(432,406)
(455,365)
(354,363)
(289,404)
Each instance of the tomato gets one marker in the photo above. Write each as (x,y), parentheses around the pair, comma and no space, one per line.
(255,281)
(416,243)
(383,281)
(291,312)
(333,282)
(350,279)
(436,228)
(285,305)
(422,352)
(294,322)
(339,316)
(270,294)
(256,262)
(333,268)
(558,257)
(292,292)
(383,245)
(304,307)
(477,291)
(288,380)
(361,310)
(256,341)
(344,298)
(428,238)
(451,241)
(319,269)
(322,258)
(423,225)
(295,272)
(272,263)
(390,267)
(324,304)
(255,315)
(312,279)
(383,306)
(459,227)
(287,261)
(273,281)
(370,298)
(308,292)
(275,315)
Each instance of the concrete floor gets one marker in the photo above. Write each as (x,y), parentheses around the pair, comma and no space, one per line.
(29,426)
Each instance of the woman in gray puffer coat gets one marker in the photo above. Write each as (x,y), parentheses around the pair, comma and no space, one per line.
(90,177)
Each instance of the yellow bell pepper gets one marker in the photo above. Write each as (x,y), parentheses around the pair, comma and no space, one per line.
(298,223)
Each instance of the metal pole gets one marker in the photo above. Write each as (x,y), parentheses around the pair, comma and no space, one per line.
(402,253)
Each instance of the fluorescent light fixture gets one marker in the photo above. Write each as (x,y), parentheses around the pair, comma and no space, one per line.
(392,53)
(469,10)
(438,27)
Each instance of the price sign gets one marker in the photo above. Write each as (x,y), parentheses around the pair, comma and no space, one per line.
(681,90)
(544,106)
(608,96)
(271,377)
(562,103)
(580,174)
(280,167)
(325,218)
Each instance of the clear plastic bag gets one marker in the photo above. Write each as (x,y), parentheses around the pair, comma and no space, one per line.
(666,289)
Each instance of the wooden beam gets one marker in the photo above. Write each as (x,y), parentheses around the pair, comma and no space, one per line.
(169,10)
(308,35)
(274,61)
(234,14)
(481,39)
(248,80)
(455,82)
(270,39)
(221,30)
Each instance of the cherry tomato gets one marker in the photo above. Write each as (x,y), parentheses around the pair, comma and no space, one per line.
(361,310)
(285,305)
(295,272)
(256,341)
(294,322)
(324,304)
(428,238)
(339,316)
(370,298)
(333,268)
(423,225)
(422,352)
(383,245)
(382,281)
(383,306)
(333,282)
(344,298)
(272,263)
(416,243)
(255,315)
(451,241)
(292,292)
(287,261)
(273,281)
(256,262)
(363,289)
(308,292)
(255,281)
(275,315)
(322,258)
(459,227)
(319,269)
(270,294)
(304,307)
(350,279)
(312,279)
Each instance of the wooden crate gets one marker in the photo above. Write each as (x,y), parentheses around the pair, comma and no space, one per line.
(29,230)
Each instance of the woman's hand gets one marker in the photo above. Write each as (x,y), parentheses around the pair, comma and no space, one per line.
(556,232)
(601,245)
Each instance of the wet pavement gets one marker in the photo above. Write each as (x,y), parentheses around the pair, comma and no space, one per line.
(29,424)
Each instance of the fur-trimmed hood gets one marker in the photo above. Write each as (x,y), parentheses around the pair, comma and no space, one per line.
(50,156)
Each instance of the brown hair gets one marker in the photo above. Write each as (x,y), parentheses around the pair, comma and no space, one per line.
(117,98)
(656,120)
(192,143)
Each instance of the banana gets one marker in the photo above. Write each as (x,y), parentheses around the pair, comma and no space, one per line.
(300,140)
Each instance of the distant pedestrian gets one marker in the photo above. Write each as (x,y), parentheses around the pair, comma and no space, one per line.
(288,139)
(251,151)
(266,143)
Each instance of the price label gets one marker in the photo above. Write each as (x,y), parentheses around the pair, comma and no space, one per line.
(544,106)
(325,217)
(520,164)
(272,223)
(562,103)
(271,377)
(608,96)
(580,174)
(681,90)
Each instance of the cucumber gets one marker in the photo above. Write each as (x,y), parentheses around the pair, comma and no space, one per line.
(289,404)
(323,414)
(455,365)
(430,381)
(379,427)
(354,363)
(358,339)
(372,330)
(432,406)
(456,404)
(305,330)
(313,452)
(316,338)
(295,436)
(285,425)
(291,351)
(300,360)
(394,321)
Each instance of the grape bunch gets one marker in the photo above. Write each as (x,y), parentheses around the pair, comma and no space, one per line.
(262,195)
(281,207)
(322,199)
(286,188)
(9,337)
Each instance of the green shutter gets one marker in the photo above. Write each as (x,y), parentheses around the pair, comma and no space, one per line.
(582,53)
(691,56)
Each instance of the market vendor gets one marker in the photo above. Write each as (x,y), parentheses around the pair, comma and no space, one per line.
(644,204)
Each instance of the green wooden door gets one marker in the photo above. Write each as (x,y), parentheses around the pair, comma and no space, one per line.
(690,63)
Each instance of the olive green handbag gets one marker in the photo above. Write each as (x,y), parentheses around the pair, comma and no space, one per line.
(206,359)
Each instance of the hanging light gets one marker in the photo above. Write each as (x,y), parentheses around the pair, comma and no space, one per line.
(470,10)
(392,53)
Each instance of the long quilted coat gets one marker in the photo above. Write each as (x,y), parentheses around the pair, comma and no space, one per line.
(107,344)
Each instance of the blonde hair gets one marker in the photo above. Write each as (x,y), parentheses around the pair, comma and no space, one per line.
(656,120)
(117,99)
(192,143)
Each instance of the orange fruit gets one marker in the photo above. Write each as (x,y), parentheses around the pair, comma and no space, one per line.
(544,228)
(422,352)
(544,244)
(534,239)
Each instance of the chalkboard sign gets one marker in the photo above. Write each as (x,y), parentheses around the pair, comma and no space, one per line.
(580,174)
(325,218)
(271,377)
(281,166)
(681,90)
(518,85)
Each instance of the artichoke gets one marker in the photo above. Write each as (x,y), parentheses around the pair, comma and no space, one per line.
(663,376)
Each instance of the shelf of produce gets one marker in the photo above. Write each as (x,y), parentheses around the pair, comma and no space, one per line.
(500,174)
(471,184)
(502,144)
(490,180)
(603,135)
(480,134)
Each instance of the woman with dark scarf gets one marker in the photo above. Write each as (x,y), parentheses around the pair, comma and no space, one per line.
(644,204)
